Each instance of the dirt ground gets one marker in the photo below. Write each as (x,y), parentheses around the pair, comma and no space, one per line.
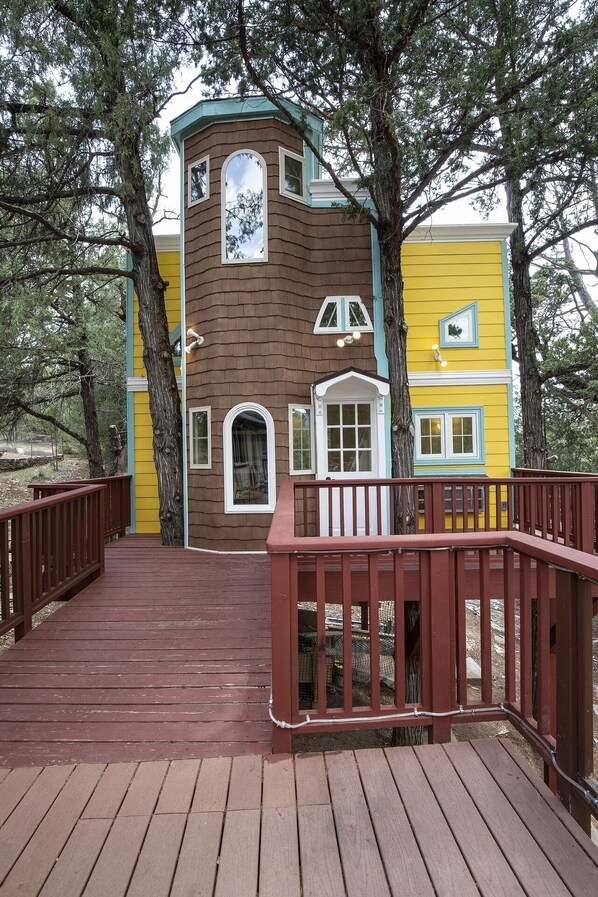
(13,484)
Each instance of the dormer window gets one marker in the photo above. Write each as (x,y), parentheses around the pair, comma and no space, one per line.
(198,181)
(292,175)
(244,212)
(339,314)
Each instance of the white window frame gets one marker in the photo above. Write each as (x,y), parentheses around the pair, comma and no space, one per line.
(282,156)
(342,315)
(196,202)
(229,505)
(303,407)
(446,422)
(224,257)
(194,465)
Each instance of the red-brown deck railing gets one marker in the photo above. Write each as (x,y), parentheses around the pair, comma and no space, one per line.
(560,508)
(506,571)
(49,549)
(117,503)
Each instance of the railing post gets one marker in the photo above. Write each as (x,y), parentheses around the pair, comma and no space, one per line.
(587,524)
(440,651)
(574,689)
(21,547)
(281,650)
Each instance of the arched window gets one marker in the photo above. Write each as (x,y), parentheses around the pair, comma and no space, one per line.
(244,213)
(249,464)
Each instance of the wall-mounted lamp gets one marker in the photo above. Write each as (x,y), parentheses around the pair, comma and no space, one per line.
(438,357)
(197,340)
(348,340)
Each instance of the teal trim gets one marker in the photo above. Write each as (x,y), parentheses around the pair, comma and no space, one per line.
(480,458)
(444,323)
(131,455)
(183,362)
(379,338)
(129,321)
(509,351)
(173,336)
(207,112)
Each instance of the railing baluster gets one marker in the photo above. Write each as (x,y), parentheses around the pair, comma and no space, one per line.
(346,563)
(399,647)
(321,633)
(485,626)
(509,624)
(374,621)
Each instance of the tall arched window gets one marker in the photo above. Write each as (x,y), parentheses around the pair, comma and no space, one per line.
(244,212)
(249,463)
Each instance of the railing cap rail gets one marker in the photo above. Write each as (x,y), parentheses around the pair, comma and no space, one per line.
(39,504)
(282,540)
(459,480)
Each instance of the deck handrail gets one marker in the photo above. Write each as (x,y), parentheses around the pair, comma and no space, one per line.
(117,504)
(561,509)
(519,571)
(50,549)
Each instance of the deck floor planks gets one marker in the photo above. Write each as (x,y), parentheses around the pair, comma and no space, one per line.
(247,840)
(574,865)
(37,859)
(364,870)
(165,656)
(528,861)
(445,863)
(405,868)
(486,861)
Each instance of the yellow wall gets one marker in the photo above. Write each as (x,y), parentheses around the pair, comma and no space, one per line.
(441,278)
(144,472)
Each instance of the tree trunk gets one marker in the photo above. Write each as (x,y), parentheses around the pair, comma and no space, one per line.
(164,401)
(90,416)
(532,425)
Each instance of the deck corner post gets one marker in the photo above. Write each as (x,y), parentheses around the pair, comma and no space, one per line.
(587,522)
(574,690)
(440,661)
(281,651)
(23,560)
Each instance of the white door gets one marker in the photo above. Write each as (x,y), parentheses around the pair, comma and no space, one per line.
(350,453)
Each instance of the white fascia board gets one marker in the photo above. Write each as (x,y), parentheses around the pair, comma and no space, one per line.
(324,190)
(167,242)
(461,233)
(139,384)
(460,378)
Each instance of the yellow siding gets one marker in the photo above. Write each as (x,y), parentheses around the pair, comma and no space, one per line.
(441,278)
(146,483)
(169,263)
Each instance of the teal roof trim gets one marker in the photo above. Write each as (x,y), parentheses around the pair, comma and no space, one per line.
(208,112)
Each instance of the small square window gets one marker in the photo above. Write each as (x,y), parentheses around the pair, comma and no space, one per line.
(200,449)
(292,175)
(198,188)
(450,435)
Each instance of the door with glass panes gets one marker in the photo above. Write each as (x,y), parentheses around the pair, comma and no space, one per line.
(351,453)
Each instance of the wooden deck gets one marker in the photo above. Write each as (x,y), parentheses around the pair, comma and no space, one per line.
(135,762)
(166,656)
(460,820)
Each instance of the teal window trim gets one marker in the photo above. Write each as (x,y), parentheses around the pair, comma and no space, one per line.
(446,456)
(444,324)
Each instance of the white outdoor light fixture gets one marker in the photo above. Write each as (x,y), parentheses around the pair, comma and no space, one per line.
(348,340)
(438,357)
(197,340)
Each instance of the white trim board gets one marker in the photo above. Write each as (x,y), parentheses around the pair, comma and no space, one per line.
(460,378)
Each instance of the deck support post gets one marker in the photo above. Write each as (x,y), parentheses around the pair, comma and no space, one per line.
(281,650)
(574,690)
(21,547)
(439,664)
